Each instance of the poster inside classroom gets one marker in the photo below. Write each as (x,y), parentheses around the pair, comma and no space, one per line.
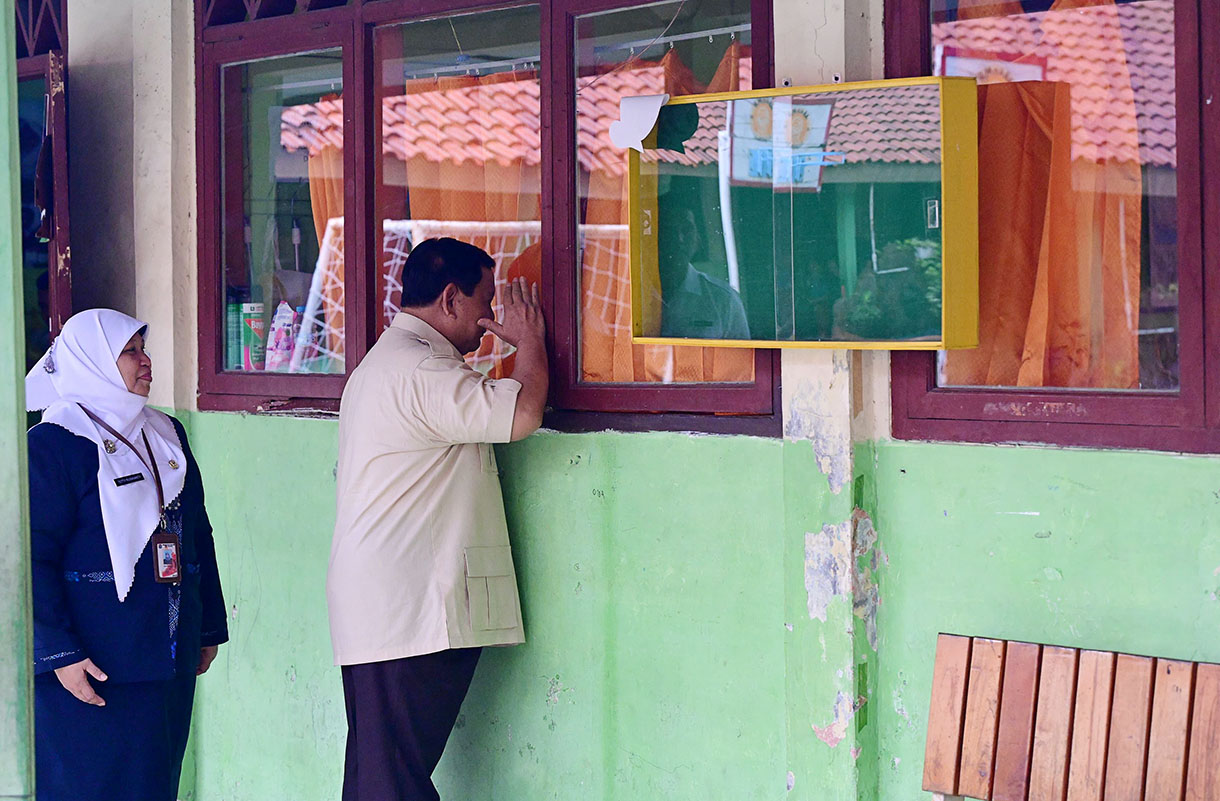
(834,216)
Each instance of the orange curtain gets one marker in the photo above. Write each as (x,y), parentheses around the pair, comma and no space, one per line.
(326,199)
(1059,251)
(607,353)
(989,8)
(728,74)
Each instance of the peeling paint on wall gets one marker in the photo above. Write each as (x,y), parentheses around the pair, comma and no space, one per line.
(900,707)
(845,708)
(812,416)
(868,556)
(827,567)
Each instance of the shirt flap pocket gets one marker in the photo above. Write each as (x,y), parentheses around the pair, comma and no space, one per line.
(496,560)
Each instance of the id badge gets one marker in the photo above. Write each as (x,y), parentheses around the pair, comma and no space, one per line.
(166,557)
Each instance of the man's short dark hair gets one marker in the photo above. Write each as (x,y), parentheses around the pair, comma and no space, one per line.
(435,263)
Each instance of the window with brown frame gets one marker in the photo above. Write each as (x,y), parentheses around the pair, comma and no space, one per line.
(1096,239)
(333,135)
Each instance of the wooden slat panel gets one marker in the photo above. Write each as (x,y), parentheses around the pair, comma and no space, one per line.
(1167,736)
(1015,740)
(982,718)
(1053,725)
(1129,719)
(945,714)
(1203,765)
(1090,726)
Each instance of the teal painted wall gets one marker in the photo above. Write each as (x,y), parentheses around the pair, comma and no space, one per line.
(16,748)
(1108,550)
(670,651)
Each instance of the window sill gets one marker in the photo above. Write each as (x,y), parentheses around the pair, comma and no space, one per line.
(769,425)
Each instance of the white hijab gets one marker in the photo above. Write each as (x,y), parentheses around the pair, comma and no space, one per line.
(80,369)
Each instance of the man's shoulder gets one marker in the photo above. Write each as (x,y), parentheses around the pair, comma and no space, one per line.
(396,352)
(717,285)
(398,359)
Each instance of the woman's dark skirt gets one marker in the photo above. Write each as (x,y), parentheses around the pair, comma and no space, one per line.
(129,750)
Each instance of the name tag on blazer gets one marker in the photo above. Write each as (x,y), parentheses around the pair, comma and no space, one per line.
(123,481)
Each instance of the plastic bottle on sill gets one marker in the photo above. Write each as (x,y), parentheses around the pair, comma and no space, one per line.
(253,336)
(300,343)
(279,339)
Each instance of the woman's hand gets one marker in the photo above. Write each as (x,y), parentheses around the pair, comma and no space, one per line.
(206,654)
(75,679)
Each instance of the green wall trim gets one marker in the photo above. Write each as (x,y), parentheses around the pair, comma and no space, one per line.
(16,650)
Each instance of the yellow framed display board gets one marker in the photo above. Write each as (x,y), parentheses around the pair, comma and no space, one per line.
(840,216)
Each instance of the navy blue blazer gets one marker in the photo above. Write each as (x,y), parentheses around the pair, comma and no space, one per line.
(157,631)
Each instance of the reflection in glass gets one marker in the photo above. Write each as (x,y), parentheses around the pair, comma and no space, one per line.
(813,217)
(35,253)
(460,149)
(679,48)
(693,303)
(1078,213)
(283,227)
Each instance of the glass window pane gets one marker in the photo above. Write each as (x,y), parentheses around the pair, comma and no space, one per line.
(679,48)
(283,228)
(460,149)
(1078,201)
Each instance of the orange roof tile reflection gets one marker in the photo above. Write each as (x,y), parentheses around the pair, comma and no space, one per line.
(499,121)
(1095,49)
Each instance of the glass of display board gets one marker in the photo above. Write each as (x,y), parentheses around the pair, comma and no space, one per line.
(840,216)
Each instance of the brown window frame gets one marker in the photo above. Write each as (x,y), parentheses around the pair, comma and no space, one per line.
(42,52)
(1187,420)
(232,31)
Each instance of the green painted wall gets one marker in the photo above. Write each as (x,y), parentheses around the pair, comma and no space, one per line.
(670,654)
(674,589)
(16,746)
(1108,550)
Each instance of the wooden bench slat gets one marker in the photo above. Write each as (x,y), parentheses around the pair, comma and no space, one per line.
(1203,765)
(1053,724)
(945,714)
(1171,696)
(1015,740)
(1129,720)
(1090,726)
(982,718)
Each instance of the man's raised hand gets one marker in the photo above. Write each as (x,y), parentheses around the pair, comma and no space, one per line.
(521,321)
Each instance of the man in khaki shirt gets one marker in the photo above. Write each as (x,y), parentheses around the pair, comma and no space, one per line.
(421,574)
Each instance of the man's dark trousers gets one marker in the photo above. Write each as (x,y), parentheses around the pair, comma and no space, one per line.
(399,716)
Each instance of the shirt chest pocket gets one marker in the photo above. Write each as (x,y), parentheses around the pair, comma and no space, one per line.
(491,588)
(487,458)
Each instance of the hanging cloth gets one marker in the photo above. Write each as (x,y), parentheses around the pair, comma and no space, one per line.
(1061,242)
(326,188)
(981,9)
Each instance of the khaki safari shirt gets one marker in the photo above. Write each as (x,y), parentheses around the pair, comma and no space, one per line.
(420,560)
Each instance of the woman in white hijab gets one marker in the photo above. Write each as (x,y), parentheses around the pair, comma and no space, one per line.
(128,608)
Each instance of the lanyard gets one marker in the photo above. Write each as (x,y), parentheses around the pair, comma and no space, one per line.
(150,463)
